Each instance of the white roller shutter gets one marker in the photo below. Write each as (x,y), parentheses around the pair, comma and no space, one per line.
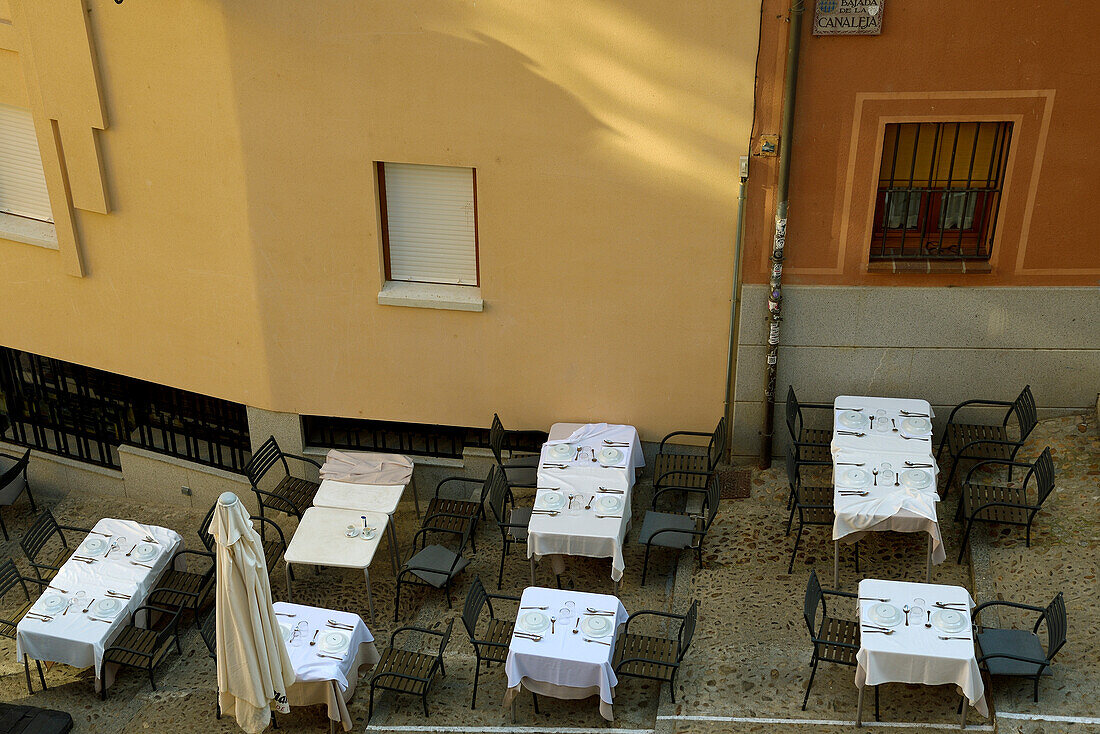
(22,182)
(431,224)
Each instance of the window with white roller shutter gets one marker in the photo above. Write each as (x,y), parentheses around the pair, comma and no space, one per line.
(22,182)
(429,223)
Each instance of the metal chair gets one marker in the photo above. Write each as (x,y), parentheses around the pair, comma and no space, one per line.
(814,505)
(208,632)
(490,645)
(835,640)
(13,482)
(1003,504)
(979,441)
(184,589)
(434,565)
(273,549)
(452,514)
(9,621)
(405,671)
(139,647)
(520,470)
(1019,653)
(680,530)
(511,520)
(812,444)
(45,561)
(655,658)
(672,467)
(291,495)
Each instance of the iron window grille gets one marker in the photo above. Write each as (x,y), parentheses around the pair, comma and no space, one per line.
(86,414)
(417,439)
(939,190)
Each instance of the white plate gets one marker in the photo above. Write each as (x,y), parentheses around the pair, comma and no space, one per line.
(916,426)
(106,607)
(145,552)
(334,642)
(949,620)
(562,451)
(852,419)
(609,504)
(533,622)
(598,626)
(550,501)
(51,603)
(853,477)
(95,545)
(916,478)
(884,615)
(609,455)
(287,631)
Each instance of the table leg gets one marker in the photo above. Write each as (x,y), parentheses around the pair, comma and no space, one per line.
(370,599)
(393,546)
(289,598)
(416,498)
(928,568)
(532,570)
(836,564)
(331,723)
(859,706)
(962,719)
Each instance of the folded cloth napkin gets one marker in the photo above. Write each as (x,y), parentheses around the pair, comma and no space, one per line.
(863,512)
(584,433)
(362,467)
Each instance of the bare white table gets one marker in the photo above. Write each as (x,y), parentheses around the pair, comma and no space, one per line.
(320,540)
(365,498)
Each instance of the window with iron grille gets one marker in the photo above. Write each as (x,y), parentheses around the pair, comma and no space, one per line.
(418,439)
(86,414)
(939,190)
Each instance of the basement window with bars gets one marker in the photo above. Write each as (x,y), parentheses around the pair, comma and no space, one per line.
(417,439)
(939,190)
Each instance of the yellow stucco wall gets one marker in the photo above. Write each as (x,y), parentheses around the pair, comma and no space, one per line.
(240,255)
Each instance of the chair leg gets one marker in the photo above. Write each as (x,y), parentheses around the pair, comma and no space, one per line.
(29,495)
(810,684)
(535,699)
(27,670)
(790,517)
(274,721)
(966,537)
(424,701)
(370,709)
(396,604)
(876,704)
(1035,696)
(645,564)
(477,674)
(217,708)
(856,544)
(950,477)
(152,681)
(672,686)
(4,528)
(1029,534)
(41,678)
(797,540)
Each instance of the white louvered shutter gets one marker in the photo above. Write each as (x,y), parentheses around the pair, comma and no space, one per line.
(22,182)
(430,222)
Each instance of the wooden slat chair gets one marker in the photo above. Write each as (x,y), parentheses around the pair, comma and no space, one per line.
(997,503)
(181,590)
(291,495)
(813,504)
(434,565)
(972,441)
(654,658)
(520,470)
(1019,653)
(835,640)
(491,643)
(680,530)
(273,549)
(405,671)
(9,621)
(674,468)
(13,482)
(511,520)
(445,513)
(46,557)
(812,444)
(140,647)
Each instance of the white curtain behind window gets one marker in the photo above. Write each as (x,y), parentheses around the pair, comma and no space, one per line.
(897,204)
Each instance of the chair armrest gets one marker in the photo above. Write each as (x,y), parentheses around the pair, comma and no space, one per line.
(650,613)
(75,529)
(1015,605)
(468,480)
(834,643)
(816,406)
(505,597)
(662,663)
(674,472)
(6,455)
(1009,656)
(33,580)
(403,676)
(999,462)
(682,433)
(661,490)
(265,521)
(835,592)
(44,565)
(951,417)
(306,459)
(978,511)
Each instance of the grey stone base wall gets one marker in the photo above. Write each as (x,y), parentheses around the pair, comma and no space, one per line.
(944,345)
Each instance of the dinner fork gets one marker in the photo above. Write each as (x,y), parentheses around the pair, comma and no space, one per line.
(82,559)
(850,463)
(605,466)
(145,565)
(615,443)
(915,463)
(339,625)
(117,594)
(590,610)
(39,617)
(527,635)
(918,415)
(331,657)
(915,438)
(598,642)
(611,489)
(851,433)
(619,517)
(97,619)
(97,532)
(881,632)
(551,513)
(857,410)
(943,637)
(285,614)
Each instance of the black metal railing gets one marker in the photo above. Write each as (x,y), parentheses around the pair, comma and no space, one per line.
(86,414)
(417,439)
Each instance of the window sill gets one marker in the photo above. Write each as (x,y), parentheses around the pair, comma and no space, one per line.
(929,266)
(28,231)
(431,295)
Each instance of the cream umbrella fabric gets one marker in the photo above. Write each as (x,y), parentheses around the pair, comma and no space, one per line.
(254,668)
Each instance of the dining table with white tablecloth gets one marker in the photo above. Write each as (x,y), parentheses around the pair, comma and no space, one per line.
(127,560)
(583,463)
(572,660)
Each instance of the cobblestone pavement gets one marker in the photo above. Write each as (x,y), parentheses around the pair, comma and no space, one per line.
(750,659)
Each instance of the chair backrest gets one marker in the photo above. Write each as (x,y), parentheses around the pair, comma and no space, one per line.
(793,477)
(204,529)
(13,481)
(687,629)
(9,577)
(475,601)
(263,459)
(1043,471)
(445,639)
(1056,625)
(1026,413)
(496,438)
(794,414)
(208,632)
(713,498)
(496,487)
(814,599)
(44,528)
(717,444)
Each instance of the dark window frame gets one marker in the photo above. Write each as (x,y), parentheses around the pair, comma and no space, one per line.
(414,439)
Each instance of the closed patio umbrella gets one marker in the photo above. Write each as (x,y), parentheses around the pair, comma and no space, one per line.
(254,668)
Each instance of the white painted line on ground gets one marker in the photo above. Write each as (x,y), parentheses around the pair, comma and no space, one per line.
(1050,717)
(509,729)
(823,722)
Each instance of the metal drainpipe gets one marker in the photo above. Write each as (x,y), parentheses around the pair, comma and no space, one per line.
(775,291)
(735,305)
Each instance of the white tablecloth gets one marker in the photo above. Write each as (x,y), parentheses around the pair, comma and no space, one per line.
(73,638)
(915,653)
(315,676)
(562,664)
(579,532)
(889,504)
(367,467)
